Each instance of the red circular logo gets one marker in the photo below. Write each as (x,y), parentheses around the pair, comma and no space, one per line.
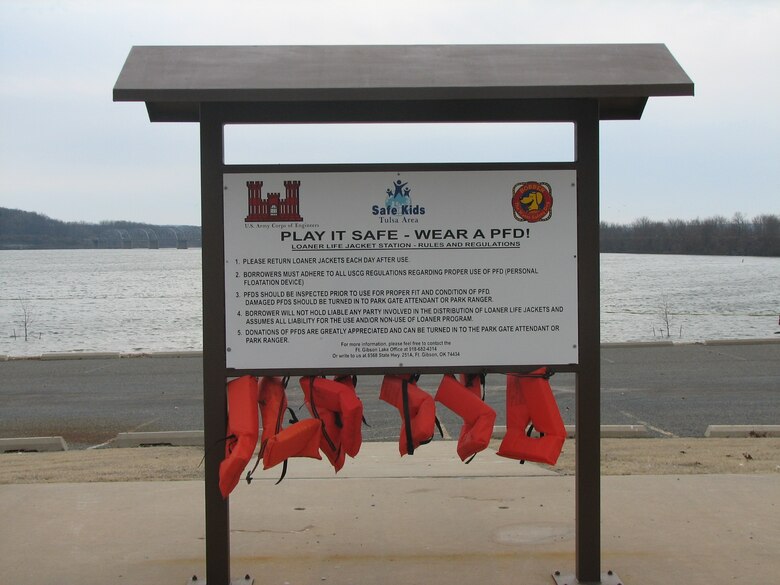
(532,201)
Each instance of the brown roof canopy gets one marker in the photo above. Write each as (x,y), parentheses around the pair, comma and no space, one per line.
(173,81)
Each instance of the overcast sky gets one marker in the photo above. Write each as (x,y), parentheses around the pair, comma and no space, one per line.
(68,151)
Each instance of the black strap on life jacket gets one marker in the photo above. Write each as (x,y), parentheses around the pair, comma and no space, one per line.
(407,417)
(413,378)
(482,378)
(278,428)
(354,385)
(216,444)
(354,379)
(469,378)
(292,421)
(531,430)
(547,375)
(325,434)
(249,477)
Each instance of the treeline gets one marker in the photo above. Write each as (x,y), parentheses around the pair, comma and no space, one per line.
(717,235)
(737,236)
(28,230)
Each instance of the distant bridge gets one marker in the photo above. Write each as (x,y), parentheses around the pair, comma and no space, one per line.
(180,237)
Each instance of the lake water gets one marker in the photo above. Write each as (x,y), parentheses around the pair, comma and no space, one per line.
(150,300)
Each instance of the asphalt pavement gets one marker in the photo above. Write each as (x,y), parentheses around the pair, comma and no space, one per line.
(675,390)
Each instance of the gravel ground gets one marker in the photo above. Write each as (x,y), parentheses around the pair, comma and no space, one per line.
(619,457)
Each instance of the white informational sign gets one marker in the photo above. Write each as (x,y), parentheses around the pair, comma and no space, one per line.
(400,269)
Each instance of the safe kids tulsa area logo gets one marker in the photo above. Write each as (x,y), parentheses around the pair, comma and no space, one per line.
(398,207)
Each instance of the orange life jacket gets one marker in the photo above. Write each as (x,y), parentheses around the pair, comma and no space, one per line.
(340,412)
(530,401)
(478,417)
(352,414)
(474,383)
(278,444)
(417,409)
(242,431)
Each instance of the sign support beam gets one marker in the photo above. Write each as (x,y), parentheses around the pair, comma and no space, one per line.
(588,379)
(214,397)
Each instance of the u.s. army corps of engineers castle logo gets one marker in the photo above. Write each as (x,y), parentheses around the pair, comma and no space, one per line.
(274,207)
(532,201)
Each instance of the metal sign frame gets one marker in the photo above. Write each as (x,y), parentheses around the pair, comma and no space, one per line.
(579,84)
(584,114)
(251,241)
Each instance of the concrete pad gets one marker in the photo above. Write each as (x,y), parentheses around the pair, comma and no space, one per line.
(638,344)
(160,438)
(607,431)
(731,431)
(79,356)
(702,529)
(622,432)
(33,444)
(741,341)
(656,530)
(173,354)
(383,460)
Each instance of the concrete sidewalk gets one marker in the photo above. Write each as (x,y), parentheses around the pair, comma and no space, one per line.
(422,519)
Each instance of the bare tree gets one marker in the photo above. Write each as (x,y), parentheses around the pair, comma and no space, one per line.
(27,316)
(666,317)
(714,235)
